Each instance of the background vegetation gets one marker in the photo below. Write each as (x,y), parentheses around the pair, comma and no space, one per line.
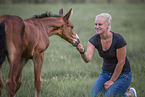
(64,73)
(70,1)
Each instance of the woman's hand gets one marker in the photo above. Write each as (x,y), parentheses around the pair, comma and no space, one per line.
(108,84)
(88,54)
(80,48)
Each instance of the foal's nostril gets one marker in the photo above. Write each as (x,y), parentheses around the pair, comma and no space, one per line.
(76,41)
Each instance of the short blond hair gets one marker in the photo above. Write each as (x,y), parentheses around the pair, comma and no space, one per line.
(107,17)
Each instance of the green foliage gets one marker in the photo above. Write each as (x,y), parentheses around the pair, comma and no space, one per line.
(69,1)
(64,73)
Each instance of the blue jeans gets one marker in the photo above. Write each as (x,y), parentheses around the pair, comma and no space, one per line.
(117,89)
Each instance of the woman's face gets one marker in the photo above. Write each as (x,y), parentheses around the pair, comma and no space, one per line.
(101,25)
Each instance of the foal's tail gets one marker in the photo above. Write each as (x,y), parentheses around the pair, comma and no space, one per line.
(2,43)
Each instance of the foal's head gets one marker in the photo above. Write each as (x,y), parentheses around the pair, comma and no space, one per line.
(66,30)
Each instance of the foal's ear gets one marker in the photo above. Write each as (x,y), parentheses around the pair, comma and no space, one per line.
(61,12)
(67,16)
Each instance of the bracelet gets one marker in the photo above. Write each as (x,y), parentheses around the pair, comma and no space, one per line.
(112,80)
(83,52)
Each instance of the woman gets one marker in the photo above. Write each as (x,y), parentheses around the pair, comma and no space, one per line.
(115,77)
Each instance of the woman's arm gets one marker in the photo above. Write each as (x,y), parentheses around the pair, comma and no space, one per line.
(121,55)
(86,56)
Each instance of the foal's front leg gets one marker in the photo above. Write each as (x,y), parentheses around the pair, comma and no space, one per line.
(19,75)
(38,61)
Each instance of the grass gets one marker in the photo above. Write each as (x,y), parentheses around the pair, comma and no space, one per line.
(64,73)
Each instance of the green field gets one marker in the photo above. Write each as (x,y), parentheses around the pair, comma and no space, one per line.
(64,73)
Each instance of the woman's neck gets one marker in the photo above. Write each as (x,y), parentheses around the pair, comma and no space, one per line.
(106,35)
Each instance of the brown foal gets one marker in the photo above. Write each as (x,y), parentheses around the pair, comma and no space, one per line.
(21,40)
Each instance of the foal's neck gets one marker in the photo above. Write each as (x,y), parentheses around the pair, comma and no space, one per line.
(52,25)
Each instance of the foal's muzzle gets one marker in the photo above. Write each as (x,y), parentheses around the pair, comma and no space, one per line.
(76,41)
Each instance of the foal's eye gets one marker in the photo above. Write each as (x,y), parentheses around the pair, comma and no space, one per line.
(72,27)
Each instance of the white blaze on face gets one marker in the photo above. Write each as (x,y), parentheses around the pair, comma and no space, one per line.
(77,37)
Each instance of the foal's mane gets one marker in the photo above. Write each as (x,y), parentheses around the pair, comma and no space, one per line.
(47,14)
